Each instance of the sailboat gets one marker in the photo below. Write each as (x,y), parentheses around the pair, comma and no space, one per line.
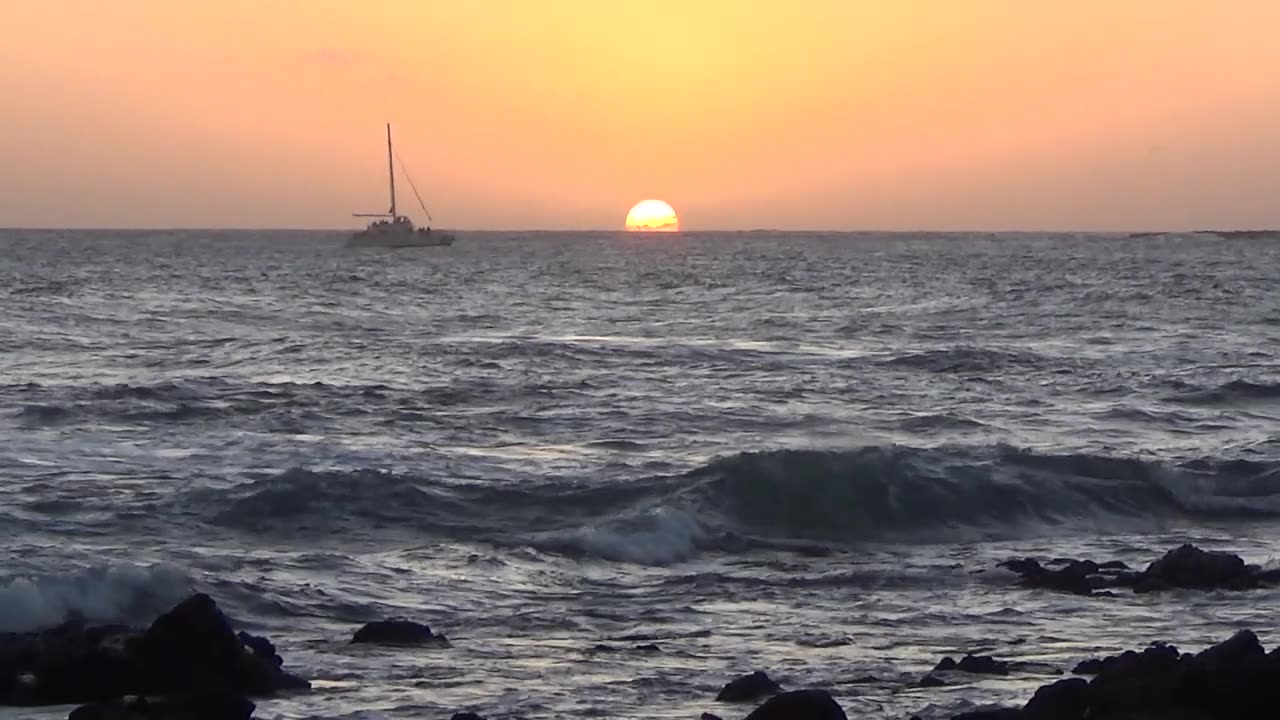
(394,230)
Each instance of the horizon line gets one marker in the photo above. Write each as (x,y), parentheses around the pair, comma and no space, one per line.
(623,231)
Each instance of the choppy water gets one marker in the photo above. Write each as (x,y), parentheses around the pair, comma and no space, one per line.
(798,453)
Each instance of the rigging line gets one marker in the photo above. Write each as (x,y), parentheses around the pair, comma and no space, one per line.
(415,188)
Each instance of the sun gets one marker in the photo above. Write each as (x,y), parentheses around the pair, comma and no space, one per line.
(652,216)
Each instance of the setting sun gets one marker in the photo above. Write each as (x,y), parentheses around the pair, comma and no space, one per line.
(652,216)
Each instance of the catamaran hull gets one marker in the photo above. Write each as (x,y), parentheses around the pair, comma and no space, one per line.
(394,230)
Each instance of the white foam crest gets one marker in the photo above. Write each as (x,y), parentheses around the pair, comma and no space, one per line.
(114,593)
(657,536)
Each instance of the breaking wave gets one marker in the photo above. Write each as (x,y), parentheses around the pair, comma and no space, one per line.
(116,593)
(784,499)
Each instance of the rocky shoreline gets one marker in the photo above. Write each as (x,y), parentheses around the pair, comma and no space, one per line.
(1184,568)
(191,664)
(191,657)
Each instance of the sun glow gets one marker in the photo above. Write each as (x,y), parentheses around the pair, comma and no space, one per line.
(652,216)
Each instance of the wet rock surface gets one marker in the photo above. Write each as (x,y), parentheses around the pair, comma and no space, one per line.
(746,688)
(1185,567)
(189,651)
(976,664)
(398,631)
(799,705)
(200,707)
(187,665)
(1236,678)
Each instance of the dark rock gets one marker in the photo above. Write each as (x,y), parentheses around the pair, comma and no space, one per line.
(1085,567)
(466,716)
(800,705)
(1125,660)
(189,651)
(67,664)
(1190,567)
(746,688)
(1092,666)
(824,642)
(976,664)
(1037,668)
(1184,567)
(1268,577)
(992,714)
(1023,566)
(1062,700)
(182,644)
(1076,577)
(1236,678)
(1240,651)
(649,648)
(397,631)
(931,681)
(982,665)
(192,649)
(198,707)
(1135,682)
(709,716)
(261,647)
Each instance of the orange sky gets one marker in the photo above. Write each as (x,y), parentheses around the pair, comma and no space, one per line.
(839,114)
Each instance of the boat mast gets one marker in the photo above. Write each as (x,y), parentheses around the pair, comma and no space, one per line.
(391,173)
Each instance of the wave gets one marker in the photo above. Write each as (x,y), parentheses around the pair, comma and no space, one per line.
(118,593)
(43,415)
(966,360)
(300,500)
(278,404)
(655,536)
(798,500)
(1235,391)
(900,493)
(923,423)
(195,400)
(38,415)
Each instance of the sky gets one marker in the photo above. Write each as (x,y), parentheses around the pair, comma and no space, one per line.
(561,114)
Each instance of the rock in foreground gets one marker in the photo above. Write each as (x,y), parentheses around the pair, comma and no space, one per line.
(397,631)
(1234,679)
(746,688)
(206,707)
(800,705)
(976,664)
(1185,567)
(189,651)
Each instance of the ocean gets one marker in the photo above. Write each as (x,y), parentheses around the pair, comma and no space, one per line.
(619,470)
